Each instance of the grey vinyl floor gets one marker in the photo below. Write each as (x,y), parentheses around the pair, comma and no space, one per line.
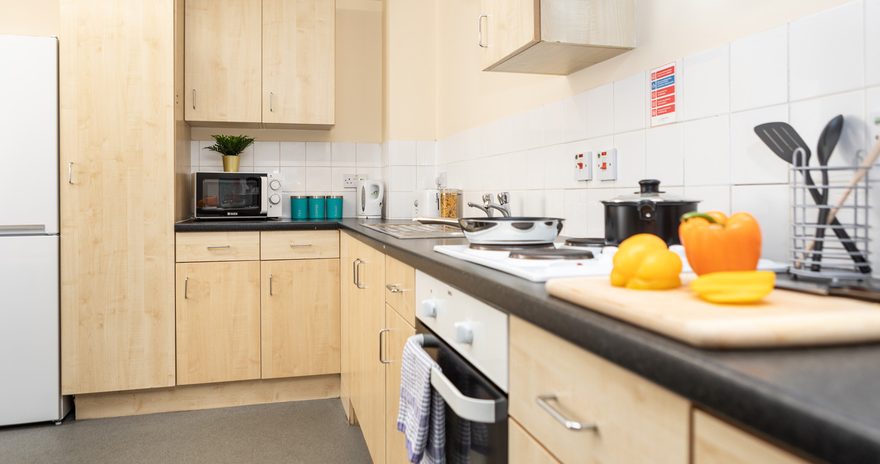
(301,432)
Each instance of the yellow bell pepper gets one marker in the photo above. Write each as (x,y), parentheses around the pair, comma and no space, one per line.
(643,262)
(735,287)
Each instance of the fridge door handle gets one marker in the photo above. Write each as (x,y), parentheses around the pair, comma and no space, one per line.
(22,229)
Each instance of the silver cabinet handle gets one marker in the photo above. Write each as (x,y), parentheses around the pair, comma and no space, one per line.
(381,358)
(354,265)
(218,247)
(186,288)
(194,98)
(300,245)
(480,30)
(70,172)
(394,288)
(271,110)
(544,402)
(270,284)
(357,268)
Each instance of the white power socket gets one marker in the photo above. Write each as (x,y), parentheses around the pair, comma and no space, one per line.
(583,166)
(606,164)
(349,181)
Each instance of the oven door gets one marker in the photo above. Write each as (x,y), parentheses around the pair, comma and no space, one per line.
(230,195)
(476,410)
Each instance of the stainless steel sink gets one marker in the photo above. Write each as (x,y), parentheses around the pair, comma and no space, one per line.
(410,230)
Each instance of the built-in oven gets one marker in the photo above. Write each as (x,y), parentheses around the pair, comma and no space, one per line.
(476,410)
(468,340)
(236,195)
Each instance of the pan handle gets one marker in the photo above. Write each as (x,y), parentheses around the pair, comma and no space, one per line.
(442,221)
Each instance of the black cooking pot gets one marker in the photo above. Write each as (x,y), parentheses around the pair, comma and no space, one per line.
(647,211)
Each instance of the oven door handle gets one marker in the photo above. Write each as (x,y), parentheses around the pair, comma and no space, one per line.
(472,409)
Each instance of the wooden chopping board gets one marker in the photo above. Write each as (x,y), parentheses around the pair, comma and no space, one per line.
(784,318)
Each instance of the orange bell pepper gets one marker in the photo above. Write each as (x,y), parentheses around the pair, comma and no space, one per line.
(714,242)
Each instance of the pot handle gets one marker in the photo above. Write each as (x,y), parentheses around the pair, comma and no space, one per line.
(647,210)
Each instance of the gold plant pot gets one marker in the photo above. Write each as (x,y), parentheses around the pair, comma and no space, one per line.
(230,163)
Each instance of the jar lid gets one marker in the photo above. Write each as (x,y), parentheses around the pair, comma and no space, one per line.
(299,196)
(649,189)
(334,196)
(450,190)
(318,197)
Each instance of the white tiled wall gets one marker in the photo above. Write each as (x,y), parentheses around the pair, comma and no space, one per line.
(319,168)
(804,72)
(306,168)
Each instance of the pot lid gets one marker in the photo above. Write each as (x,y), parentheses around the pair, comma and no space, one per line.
(649,189)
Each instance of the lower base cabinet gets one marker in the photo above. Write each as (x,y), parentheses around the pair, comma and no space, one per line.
(716,442)
(398,331)
(218,322)
(523,449)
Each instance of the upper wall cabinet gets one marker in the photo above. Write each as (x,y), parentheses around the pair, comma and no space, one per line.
(553,36)
(260,61)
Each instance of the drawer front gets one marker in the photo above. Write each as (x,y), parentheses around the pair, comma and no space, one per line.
(218,246)
(299,244)
(523,449)
(716,442)
(400,284)
(623,418)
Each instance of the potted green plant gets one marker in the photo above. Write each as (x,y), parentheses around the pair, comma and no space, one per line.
(230,146)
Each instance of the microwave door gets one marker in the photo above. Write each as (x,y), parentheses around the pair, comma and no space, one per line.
(264,195)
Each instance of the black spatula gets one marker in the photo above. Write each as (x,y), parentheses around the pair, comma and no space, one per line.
(827,141)
(784,141)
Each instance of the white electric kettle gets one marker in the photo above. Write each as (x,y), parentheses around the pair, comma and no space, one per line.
(370,195)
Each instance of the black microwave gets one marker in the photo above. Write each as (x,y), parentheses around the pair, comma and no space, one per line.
(236,195)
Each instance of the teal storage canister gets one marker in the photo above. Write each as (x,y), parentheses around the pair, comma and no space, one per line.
(317,207)
(299,207)
(334,207)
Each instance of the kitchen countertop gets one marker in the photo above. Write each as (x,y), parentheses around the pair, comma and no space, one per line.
(824,402)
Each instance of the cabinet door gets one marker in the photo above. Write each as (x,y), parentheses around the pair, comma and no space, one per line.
(222,60)
(398,331)
(299,67)
(300,317)
(368,396)
(348,306)
(218,322)
(716,442)
(506,27)
(116,196)
(523,449)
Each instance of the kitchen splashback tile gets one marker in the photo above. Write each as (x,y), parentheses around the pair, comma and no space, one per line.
(553,115)
(707,151)
(208,158)
(293,153)
(293,178)
(759,70)
(369,154)
(705,84)
(426,153)
(318,179)
(577,207)
(343,154)
(665,154)
(631,161)
(600,111)
(266,154)
(872,42)
(337,176)
(810,117)
(372,173)
(769,204)
(318,154)
(827,51)
(558,163)
(402,153)
(426,177)
(751,161)
(712,197)
(554,203)
(401,178)
(630,103)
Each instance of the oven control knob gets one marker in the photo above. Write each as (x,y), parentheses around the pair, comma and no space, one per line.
(428,308)
(464,332)
(275,199)
(275,185)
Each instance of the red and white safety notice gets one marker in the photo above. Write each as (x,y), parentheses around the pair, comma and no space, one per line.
(663,96)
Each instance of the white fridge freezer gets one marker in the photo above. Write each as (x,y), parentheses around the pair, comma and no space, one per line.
(30,387)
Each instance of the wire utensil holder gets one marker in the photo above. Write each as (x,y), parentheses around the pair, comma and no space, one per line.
(836,261)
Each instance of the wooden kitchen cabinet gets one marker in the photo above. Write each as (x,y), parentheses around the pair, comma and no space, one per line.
(299,64)
(268,62)
(398,331)
(223,61)
(635,420)
(218,322)
(523,449)
(716,442)
(553,36)
(300,317)
(117,210)
(400,288)
(365,295)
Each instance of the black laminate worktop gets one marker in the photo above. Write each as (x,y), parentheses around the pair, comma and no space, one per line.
(822,402)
